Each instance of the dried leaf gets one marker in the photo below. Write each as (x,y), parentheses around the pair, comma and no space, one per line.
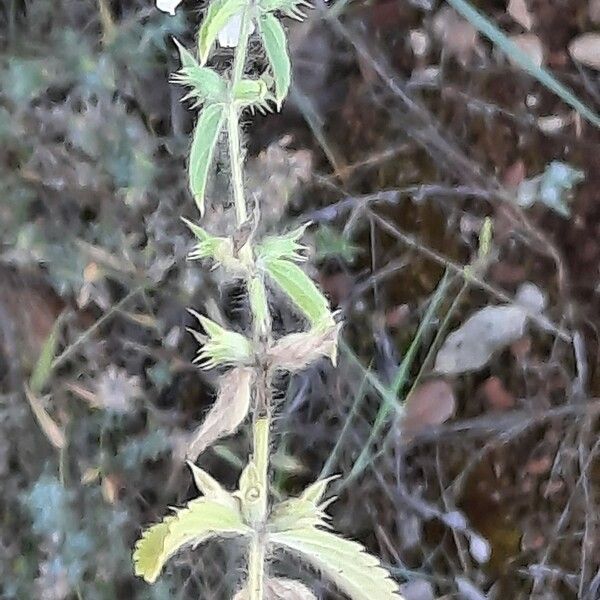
(296,351)
(473,344)
(430,404)
(51,430)
(457,35)
(228,412)
(586,50)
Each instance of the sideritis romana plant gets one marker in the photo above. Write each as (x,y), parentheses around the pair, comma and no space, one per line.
(297,525)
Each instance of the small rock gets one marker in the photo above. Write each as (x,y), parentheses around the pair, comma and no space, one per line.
(520,12)
(418,589)
(586,50)
(531,45)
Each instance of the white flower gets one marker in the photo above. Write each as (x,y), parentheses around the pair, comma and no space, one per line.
(229,36)
(168,6)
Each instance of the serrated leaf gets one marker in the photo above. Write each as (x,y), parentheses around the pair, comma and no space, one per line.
(223,346)
(314,492)
(206,84)
(43,366)
(300,289)
(218,14)
(275,43)
(227,413)
(283,246)
(354,571)
(205,139)
(250,91)
(210,487)
(219,249)
(200,520)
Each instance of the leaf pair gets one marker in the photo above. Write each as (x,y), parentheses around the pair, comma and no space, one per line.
(275,256)
(294,525)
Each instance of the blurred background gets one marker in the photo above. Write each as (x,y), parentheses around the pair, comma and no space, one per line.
(470,459)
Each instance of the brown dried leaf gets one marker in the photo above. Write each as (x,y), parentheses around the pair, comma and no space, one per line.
(296,351)
(586,50)
(228,411)
(432,403)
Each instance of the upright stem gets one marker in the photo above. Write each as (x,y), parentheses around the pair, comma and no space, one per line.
(262,423)
(233,123)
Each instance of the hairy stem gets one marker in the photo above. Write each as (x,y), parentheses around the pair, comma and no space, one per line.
(262,423)
(233,124)
(256,568)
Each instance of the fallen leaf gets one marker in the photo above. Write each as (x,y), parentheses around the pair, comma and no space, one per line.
(431,403)
(520,12)
(489,330)
(496,396)
(586,50)
(472,345)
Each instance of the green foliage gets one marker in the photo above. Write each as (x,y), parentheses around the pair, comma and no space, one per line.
(346,563)
(300,289)
(218,14)
(198,522)
(205,139)
(207,85)
(330,243)
(223,347)
(43,367)
(283,246)
(275,43)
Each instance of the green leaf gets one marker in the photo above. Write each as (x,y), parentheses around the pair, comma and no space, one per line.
(283,246)
(250,91)
(354,571)
(199,521)
(210,487)
(218,14)
(43,367)
(203,147)
(223,346)
(300,289)
(207,85)
(290,8)
(304,511)
(275,43)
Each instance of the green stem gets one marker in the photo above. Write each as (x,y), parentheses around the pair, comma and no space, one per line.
(233,123)
(256,568)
